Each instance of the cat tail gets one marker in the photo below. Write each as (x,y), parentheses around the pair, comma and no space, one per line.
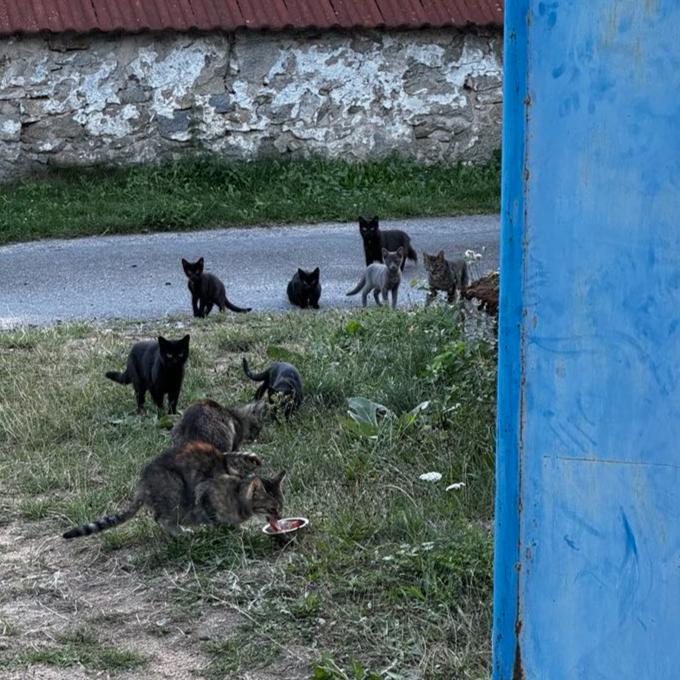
(234,308)
(259,377)
(465,277)
(122,378)
(134,504)
(358,287)
(411,254)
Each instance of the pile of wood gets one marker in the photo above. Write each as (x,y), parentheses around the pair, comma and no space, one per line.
(486,292)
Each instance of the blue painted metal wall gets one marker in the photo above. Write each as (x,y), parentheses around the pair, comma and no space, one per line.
(587,567)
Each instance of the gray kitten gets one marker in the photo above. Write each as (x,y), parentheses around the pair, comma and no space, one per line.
(447,275)
(224,428)
(381,278)
(191,484)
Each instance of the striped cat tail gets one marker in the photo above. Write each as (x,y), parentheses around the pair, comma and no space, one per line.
(135,503)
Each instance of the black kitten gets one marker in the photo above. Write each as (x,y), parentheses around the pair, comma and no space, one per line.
(304,289)
(375,239)
(279,379)
(157,366)
(206,290)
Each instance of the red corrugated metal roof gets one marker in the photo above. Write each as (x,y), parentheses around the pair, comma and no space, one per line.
(82,16)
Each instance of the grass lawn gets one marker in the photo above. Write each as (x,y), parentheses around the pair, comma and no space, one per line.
(393,578)
(199,193)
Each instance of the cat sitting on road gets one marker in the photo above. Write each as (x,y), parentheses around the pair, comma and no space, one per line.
(156,366)
(450,276)
(206,290)
(191,484)
(381,278)
(304,289)
(376,239)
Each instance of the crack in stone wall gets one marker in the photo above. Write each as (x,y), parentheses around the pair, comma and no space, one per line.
(432,95)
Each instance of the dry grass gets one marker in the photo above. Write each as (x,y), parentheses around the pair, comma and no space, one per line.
(393,578)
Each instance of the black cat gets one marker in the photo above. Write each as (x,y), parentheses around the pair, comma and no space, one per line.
(304,289)
(280,379)
(375,239)
(206,290)
(156,366)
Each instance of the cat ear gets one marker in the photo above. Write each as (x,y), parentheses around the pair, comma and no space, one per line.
(362,222)
(279,478)
(185,340)
(374,220)
(199,264)
(400,251)
(253,485)
(162,342)
(301,273)
(440,255)
(315,273)
(385,253)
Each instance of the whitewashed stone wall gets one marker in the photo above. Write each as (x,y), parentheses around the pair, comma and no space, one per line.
(430,95)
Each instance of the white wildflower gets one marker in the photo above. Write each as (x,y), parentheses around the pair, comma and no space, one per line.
(431,476)
(455,486)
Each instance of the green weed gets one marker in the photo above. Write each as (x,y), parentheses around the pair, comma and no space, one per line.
(393,573)
(206,191)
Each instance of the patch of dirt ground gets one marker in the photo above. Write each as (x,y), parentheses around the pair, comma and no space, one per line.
(51,587)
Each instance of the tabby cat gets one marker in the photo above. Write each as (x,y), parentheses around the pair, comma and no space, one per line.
(224,428)
(191,484)
(381,278)
(156,366)
(376,240)
(451,276)
(206,290)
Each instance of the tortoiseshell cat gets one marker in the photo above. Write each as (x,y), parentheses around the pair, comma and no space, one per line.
(222,427)
(375,240)
(206,290)
(447,275)
(156,366)
(192,484)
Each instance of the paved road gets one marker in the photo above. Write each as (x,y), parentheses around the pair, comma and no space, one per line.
(140,277)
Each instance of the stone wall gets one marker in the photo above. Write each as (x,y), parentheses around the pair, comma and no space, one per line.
(430,95)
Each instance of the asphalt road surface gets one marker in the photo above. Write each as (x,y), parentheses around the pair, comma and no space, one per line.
(141,277)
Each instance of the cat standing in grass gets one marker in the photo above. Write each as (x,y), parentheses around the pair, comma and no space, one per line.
(206,290)
(381,278)
(156,366)
(450,276)
(304,289)
(191,484)
(376,240)
(280,381)
(226,428)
